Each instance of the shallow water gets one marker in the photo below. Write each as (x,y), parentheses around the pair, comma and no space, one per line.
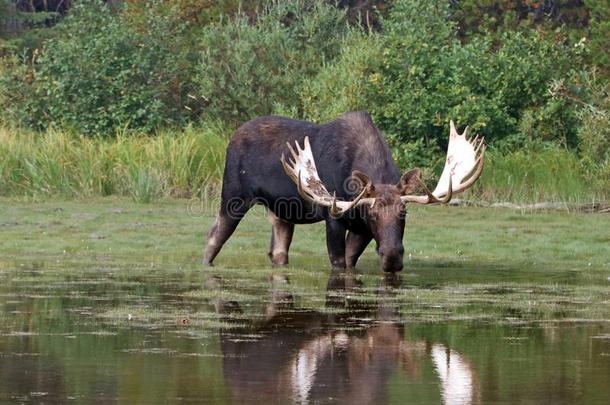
(94,333)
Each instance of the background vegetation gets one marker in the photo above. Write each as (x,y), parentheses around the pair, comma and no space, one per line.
(138,97)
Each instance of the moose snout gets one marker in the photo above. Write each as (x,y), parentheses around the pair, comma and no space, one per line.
(391,258)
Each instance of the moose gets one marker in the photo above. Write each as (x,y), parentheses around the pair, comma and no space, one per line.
(343,174)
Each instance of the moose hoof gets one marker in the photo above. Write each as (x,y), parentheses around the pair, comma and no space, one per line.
(279,259)
(338,264)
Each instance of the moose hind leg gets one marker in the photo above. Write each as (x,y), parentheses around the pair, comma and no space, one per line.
(281,237)
(219,233)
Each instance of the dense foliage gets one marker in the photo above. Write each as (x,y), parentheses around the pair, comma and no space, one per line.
(428,76)
(100,73)
(528,75)
(255,69)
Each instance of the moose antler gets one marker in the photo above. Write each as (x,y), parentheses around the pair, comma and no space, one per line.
(461,161)
(302,170)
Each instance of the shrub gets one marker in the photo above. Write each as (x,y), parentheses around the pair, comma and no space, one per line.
(253,69)
(343,84)
(594,129)
(428,77)
(599,11)
(18,97)
(100,73)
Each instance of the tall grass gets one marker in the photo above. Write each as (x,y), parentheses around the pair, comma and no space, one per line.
(549,175)
(57,163)
(190,162)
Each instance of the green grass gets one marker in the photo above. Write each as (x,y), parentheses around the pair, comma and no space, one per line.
(460,263)
(549,175)
(435,235)
(190,162)
(59,164)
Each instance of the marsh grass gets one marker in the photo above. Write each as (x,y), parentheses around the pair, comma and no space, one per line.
(510,301)
(548,175)
(57,163)
(190,163)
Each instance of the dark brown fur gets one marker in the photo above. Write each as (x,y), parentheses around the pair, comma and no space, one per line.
(346,149)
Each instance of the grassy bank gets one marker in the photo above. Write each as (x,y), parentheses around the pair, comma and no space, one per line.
(120,229)
(460,262)
(183,163)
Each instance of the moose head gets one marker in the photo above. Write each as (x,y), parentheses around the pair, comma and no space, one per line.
(382,206)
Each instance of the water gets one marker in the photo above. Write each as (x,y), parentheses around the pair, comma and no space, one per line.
(90,334)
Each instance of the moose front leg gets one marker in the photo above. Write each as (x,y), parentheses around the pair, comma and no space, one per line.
(219,233)
(355,245)
(335,243)
(223,228)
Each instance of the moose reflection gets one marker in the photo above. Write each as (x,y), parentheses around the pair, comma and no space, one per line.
(346,354)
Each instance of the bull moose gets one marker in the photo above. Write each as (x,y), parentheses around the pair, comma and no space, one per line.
(344,175)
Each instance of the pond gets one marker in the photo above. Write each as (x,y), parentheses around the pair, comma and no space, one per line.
(140,333)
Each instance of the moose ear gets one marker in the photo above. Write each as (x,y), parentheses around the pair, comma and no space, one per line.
(409,181)
(360,181)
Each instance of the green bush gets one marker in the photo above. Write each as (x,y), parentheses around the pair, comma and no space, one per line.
(428,76)
(599,11)
(18,97)
(250,69)
(100,73)
(343,84)
(594,129)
